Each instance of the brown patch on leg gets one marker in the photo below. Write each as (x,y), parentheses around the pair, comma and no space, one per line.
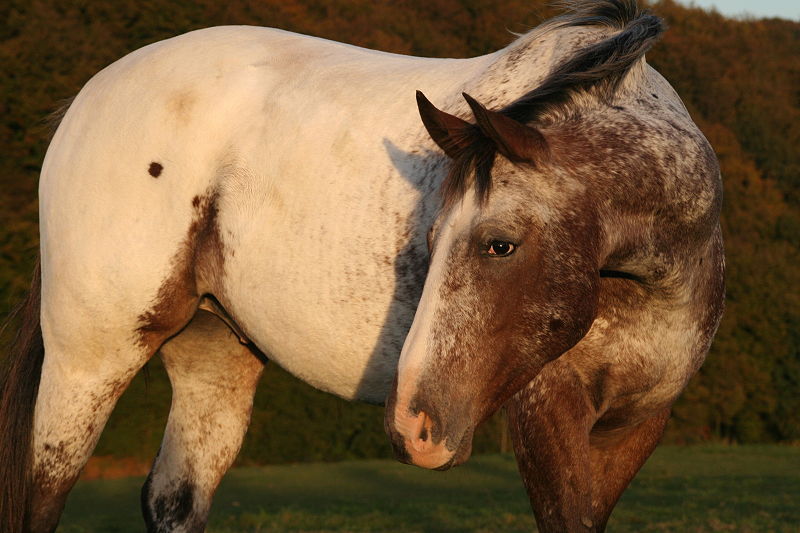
(58,461)
(171,509)
(550,420)
(50,495)
(197,266)
(615,460)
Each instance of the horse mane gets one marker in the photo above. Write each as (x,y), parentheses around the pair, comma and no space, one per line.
(598,67)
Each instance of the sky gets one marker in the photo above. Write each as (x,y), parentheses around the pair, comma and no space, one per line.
(789,9)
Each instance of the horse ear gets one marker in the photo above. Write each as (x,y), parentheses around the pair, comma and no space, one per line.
(449,132)
(514,140)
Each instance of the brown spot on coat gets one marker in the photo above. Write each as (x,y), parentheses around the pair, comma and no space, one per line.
(181,105)
(155,169)
(197,269)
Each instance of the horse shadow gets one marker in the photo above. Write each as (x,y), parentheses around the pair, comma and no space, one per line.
(424,169)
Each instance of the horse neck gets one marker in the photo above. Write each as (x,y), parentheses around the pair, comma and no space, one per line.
(526,62)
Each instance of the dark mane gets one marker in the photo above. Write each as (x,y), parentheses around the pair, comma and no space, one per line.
(611,13)
(599,67)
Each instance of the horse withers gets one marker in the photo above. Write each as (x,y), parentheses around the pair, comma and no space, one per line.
(549,242)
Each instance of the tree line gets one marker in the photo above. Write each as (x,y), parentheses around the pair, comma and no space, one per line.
(738,78)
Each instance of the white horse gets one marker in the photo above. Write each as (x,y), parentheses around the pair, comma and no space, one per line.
(239,191)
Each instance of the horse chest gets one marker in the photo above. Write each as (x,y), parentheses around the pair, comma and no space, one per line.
(636,360)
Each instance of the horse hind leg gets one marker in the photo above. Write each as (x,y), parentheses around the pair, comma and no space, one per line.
(213,379)
(91,334)
(71,411)
(62,379)
(85,370)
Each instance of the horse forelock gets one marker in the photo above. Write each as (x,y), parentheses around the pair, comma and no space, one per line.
(592,74)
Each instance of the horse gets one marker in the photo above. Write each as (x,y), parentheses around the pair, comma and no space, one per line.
(547,241)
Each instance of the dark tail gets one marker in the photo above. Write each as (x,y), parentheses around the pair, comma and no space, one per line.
(19,379)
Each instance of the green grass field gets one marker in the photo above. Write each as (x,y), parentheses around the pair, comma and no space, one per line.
(682,489)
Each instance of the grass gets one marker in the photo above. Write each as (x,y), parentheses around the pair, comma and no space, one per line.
(686,489)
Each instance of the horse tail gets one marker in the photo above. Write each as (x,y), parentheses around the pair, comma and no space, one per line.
(19,382)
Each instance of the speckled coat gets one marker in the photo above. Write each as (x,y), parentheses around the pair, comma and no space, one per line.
(238,193)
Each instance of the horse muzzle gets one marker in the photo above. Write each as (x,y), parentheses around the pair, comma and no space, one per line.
(412,438)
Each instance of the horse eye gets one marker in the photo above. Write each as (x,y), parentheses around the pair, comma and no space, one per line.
(500,248)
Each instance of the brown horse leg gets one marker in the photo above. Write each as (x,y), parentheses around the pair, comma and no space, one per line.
(615,460)
(213,380)
(550,421)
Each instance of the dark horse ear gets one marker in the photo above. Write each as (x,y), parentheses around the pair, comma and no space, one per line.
(513,139)
(448,131)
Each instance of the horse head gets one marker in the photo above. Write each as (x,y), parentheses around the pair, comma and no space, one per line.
(512,283)
(575,181)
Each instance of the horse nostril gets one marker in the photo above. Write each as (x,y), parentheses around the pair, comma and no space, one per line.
(422,431)
(420,439)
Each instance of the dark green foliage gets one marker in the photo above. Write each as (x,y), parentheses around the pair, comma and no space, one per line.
(291,422)
(739,80)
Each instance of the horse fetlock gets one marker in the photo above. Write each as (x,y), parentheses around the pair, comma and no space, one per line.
(174,506)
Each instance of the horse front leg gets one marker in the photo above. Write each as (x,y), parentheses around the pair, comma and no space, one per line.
(550,420)
(213,379)
(616,457)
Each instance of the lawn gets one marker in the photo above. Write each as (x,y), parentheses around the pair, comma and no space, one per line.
(682,489)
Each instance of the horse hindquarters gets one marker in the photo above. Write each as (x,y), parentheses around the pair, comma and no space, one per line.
(60,387)
(96,338)
(213,379)
(573,477)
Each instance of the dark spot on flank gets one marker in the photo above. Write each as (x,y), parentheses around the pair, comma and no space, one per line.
(155,169)
(655,96)
(556,324)
(196,202)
